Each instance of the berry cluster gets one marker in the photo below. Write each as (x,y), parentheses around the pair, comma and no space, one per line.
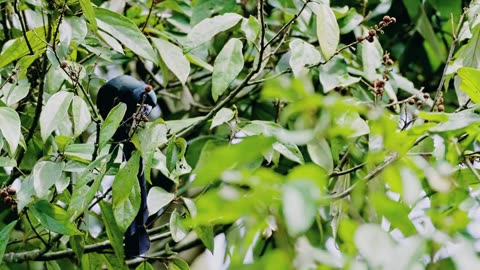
(419,100)
(440,106)
(7,194)
(378,85)
(387,20)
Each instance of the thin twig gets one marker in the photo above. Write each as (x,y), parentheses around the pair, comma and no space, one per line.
(449,58)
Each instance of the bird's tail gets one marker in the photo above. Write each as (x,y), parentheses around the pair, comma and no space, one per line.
(136,241)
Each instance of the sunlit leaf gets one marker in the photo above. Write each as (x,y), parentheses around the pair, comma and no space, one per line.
(10,127)
(54,111)
(173,58)
(227,66)
(328,32)
(208,28)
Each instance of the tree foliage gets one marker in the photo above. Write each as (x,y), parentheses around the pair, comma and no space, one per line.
(308,134)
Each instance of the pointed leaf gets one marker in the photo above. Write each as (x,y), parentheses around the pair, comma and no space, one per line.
(113,231)
(89,12)
(111,123)
(4,234)
(54,112)
(126,192)
(173,58)
(53,218)
(328,32)
(303,54)
(126,31)
(178,230)
(227,66)
(470,83)
(208,28)
(45,174)
(10,127)
(222,116)
(81,115)
(158,198)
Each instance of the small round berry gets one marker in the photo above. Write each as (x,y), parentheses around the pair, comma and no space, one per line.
(8,200)
(378,84)
(393,19)
(360,38)
(441,108)
(370,39)
(382,24)
(4,194)
(372,32)
(420,103)
(426,95)
(386,18)
(391,100)
(63,64)
(411,101)
(11,191)
(390,62)
(148,88)
(11,79)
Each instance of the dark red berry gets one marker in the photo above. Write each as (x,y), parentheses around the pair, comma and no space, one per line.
(441,108)
(426,95)
(370,39)
(386,18)
(4,193)
(63,64)
(382,24)
(8,200)
(411,101)
(148,88)
(393,19)
(372,32)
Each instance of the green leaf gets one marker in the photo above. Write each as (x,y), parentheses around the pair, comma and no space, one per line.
(113,231)
(45,174)
(173,58)
(10,127)
(208,28)
(16,92)
(89,13)
(54,112)
(4,234)
(144,266)
(111,124)
(334,74)
(205,233)
(227,66)
(84,190)
(178,264)
(126,192)
(143,141)
(222,116)
(19,48)
(81,116)
(251,28)
(298,204)
(173,155)
(199,62)
(396,212)
(174,126)
(219,159)
(328,32)
(53,218)
(320,153)
(177,229)
(158,198)
(303,54)
(126,31)
(289,151)
(470,83)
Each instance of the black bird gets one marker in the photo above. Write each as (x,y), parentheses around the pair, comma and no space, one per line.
(133,93)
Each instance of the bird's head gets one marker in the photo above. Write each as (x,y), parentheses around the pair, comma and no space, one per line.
(137,95)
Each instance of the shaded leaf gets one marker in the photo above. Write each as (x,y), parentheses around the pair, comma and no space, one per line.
(303,54)
(4,234)
(177,229)
(113,231)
